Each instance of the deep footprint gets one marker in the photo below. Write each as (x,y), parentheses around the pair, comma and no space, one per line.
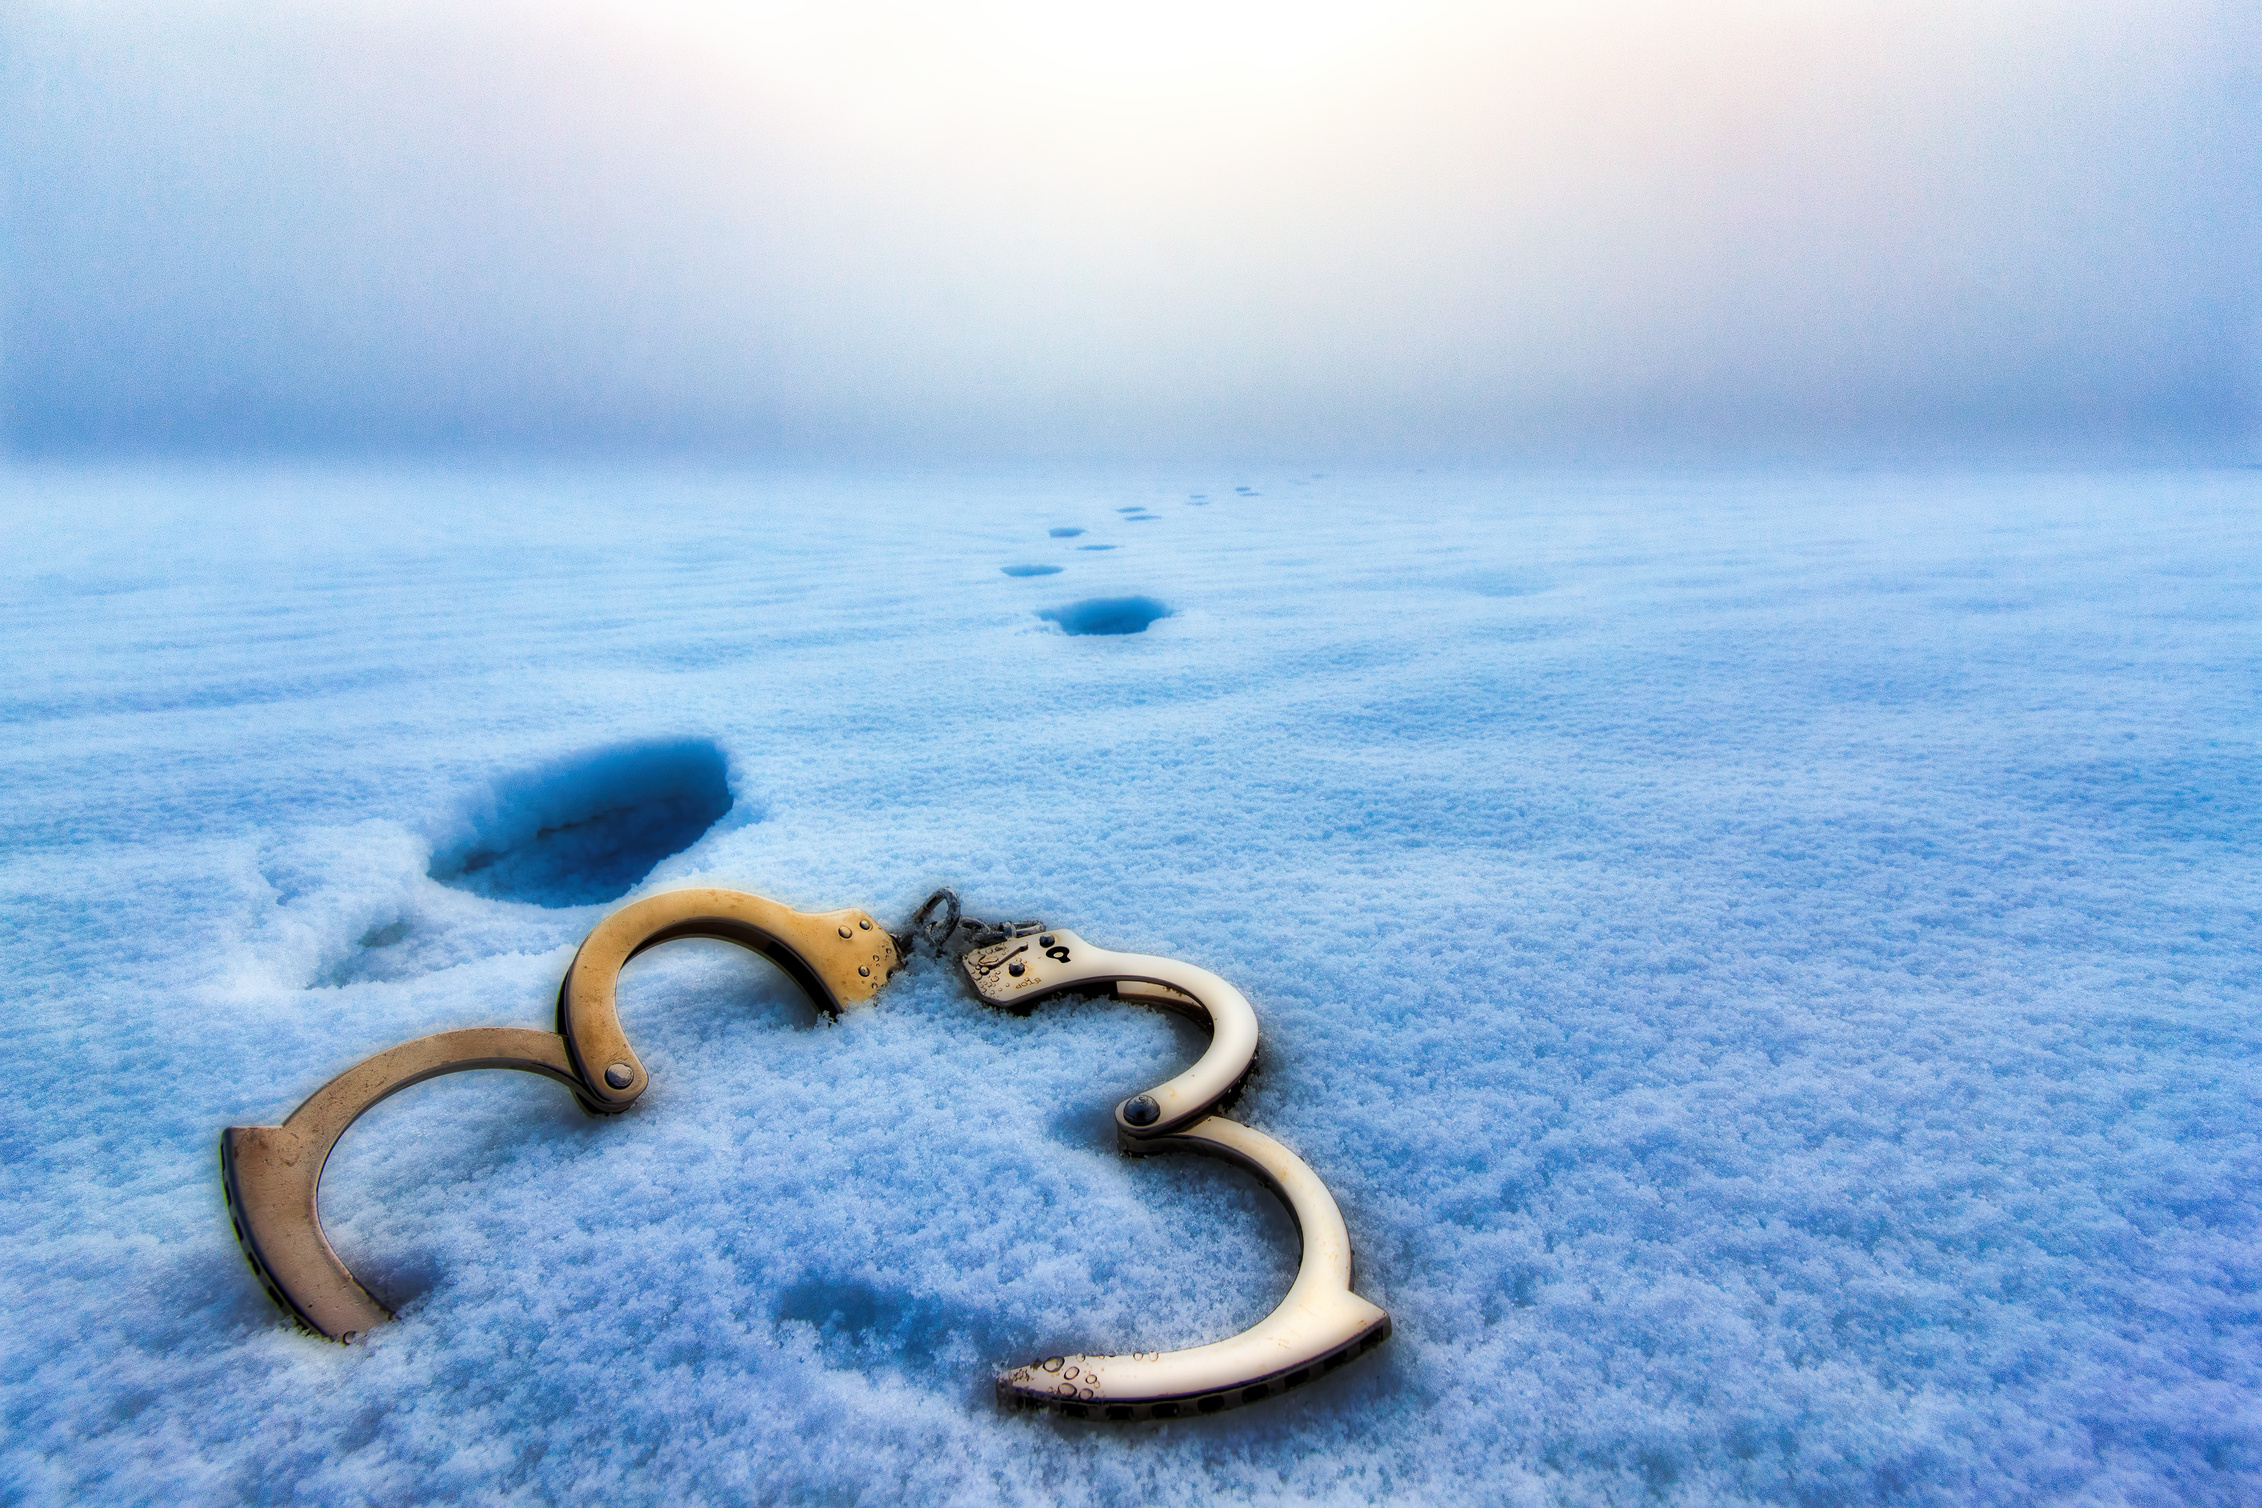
(1030,570)
(589,829)
(1107,615)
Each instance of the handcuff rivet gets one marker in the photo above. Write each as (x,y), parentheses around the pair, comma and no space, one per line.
(865,923)
(846,933)
(1045,941)
(1016,970)
(1142,1111)
(620,1075)
(864,969)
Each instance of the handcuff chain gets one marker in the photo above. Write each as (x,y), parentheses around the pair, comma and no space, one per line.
(957,933)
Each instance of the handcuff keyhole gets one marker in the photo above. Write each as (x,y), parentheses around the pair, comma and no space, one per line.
(1060,954)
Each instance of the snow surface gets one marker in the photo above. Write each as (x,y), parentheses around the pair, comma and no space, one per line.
(1766,963)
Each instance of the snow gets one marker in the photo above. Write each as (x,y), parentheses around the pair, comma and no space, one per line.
(1766,963)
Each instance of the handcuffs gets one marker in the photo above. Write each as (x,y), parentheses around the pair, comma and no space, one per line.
(272,1174)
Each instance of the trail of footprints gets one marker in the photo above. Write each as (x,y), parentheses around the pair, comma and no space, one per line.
(1117,615)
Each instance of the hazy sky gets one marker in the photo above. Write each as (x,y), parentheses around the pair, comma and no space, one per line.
(1158,230)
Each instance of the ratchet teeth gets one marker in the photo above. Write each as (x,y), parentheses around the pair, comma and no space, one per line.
(1036,1387)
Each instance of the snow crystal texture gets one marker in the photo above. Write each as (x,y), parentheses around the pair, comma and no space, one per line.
(1766,963)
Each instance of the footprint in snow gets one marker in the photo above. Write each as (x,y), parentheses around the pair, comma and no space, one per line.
(1107,615)
(586,830)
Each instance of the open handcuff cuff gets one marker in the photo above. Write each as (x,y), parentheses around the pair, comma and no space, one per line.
(272,1174)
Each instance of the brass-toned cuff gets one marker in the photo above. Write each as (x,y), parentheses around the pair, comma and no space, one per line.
(837,957)
(272,1174)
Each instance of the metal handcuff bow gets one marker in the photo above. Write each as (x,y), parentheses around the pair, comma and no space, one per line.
(272,1174)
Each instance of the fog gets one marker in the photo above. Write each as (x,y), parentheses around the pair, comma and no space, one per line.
(1362,231)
